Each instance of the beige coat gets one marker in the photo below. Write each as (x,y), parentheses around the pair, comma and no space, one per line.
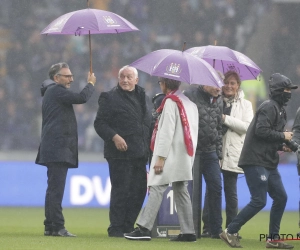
(169,143)
(238,122)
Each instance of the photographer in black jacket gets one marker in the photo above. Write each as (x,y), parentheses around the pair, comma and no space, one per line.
(259,160)
(296,139)
(123,122)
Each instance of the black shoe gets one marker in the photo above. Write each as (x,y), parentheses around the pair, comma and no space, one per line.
(116,234)
(63,232)
(138,234)
(47,233)
(205,234)
(185,237)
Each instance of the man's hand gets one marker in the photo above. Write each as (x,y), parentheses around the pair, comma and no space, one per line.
(91,78)
(159,165)
(288,136)
(119,143)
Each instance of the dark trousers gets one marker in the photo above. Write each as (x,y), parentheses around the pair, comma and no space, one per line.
(261,182)
(128,190)
(57,174)
(230,191)
(208,165)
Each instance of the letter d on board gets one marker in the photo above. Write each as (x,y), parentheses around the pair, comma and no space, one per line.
(76,182)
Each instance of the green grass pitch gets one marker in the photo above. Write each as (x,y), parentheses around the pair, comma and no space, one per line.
(22,228)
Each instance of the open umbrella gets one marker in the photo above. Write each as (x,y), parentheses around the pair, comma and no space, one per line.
(223,59)
(178,65)
(89,21)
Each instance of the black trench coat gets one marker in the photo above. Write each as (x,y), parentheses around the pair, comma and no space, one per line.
(59,141)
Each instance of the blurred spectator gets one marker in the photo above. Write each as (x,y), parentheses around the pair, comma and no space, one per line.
(84,119)
(255,91)
(279,52)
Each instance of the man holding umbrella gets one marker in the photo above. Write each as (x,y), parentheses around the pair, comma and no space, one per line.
(58,150)
(173,142)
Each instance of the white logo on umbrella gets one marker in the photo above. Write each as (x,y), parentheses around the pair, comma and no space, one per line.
(174,68)
(109,20)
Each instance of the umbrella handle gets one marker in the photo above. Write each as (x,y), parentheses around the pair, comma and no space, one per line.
(91,67)
(88,4)
(183,47)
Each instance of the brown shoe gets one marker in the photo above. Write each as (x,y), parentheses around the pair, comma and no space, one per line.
(231,240)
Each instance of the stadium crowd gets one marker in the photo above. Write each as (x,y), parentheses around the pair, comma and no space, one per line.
(27,55)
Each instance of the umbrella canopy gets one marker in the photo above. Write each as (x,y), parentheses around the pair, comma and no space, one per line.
(224,59)
(87,22)
(180,66)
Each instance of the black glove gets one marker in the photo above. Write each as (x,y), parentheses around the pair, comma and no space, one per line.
(292,145)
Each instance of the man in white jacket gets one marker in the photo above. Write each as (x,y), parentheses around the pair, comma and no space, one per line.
(173,142)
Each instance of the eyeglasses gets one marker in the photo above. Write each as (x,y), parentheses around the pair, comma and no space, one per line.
(67,76)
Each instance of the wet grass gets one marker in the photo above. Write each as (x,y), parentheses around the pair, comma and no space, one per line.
(22,228)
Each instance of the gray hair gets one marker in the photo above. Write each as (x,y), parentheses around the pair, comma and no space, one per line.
(55,68)
(129,67)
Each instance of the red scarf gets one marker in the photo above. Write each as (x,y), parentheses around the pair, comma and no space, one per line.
(185,124)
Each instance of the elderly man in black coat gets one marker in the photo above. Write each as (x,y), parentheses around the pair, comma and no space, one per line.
(58,150)
(123,122)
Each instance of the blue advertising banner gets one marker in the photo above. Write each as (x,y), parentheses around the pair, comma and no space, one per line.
(24,184)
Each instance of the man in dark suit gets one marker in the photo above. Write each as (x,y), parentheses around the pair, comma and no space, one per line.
(58,150)
(123,122)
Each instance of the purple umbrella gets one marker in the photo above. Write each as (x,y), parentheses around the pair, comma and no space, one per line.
(224,59)
(180,66)
(87,22)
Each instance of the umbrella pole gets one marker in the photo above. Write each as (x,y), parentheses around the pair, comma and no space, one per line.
(91,67)
(183,47)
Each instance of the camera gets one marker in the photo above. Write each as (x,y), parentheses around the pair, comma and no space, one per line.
(292,145)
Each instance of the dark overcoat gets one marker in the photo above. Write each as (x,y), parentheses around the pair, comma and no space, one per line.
(59,141)
(264,136)
(210,120)
(118,115)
